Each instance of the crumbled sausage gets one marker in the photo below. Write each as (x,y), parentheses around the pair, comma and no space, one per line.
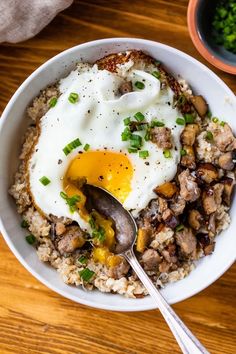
(212,197)
(169,253)
(72,239)
(189,189)
(186,240)
(120,270)
(177,205)
(224,138)
(60,228)
(151,259)
(161,136)
(164,266)
(226,161)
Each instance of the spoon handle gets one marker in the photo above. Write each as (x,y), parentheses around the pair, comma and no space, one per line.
(188,343)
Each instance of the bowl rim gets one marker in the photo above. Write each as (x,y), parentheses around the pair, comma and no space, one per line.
(66,294)
(198,42)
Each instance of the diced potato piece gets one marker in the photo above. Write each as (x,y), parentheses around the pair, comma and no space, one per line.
(166,190)
(143,239)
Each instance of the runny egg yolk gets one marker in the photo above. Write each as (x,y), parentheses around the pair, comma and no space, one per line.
(110,170)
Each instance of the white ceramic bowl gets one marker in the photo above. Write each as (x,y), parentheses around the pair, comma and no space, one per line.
(12,125)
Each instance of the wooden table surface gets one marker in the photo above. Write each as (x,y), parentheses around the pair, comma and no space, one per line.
(33,319)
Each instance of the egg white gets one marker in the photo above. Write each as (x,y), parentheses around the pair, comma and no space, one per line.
(97,119)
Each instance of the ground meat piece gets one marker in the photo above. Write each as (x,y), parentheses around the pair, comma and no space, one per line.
(161,136)
(226,161)
(151,259)
(177,205)
(211,198)
(125,87)
(207,172)
(169,218)
(152,214)
(189,189)
(169,253)
(164,267)
(228,184)
(223,137)
(189,134)
(195,219)
(206,244)
(72,239)
(186,240)
(60,228)
(119,271)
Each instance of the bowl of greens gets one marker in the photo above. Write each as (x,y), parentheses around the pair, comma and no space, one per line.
(212,27)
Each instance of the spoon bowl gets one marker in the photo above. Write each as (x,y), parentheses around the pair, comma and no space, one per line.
(126,231)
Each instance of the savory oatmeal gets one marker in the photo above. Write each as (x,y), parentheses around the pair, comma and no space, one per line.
(127,125)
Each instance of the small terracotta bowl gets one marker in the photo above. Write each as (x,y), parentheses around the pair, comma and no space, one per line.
(200,14)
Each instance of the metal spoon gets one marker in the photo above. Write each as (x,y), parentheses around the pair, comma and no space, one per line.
(126,231)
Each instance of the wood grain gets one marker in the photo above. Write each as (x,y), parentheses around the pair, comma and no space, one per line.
(35,320)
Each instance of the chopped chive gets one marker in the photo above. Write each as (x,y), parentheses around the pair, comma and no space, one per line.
(222,123)
(99,234)
(140,85)
(73,97)
(71,146)
(189,118)
(157,123)
(147,135)
(183,152)
(127,121)
(30,239)
(126,134)
(209,136)
(143,154)
(156,74)
(82,259)
(24,224)
(92,222)
(70,201)
(132,150)
(180,121)
(215,120)
(53,102)
(86,274)
(86,147)
(179,227)
(167,153)
(44,180)
(139,116)
(209,114)
(135,141)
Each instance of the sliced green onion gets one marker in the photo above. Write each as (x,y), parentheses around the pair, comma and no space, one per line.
(44,180)
(135,141)
(183,152)
(139,116)
(24,224)
(167,153)
(99,234)
(140,85)
(92,222)
(180,121)
(83,259)
(209,135)
(156,74)
(147,135)
(71,146)
(73,97)
(215,120)
(143,154)
(222,123)
(86,274)
(126,134)
(209,114)
(179,227)
(132,150)
(30,239)
(86,147)
(189,118)
(127,121)
(53,102)
(157,123)
(70,201)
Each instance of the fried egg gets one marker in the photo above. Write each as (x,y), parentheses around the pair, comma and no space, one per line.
(95,119)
